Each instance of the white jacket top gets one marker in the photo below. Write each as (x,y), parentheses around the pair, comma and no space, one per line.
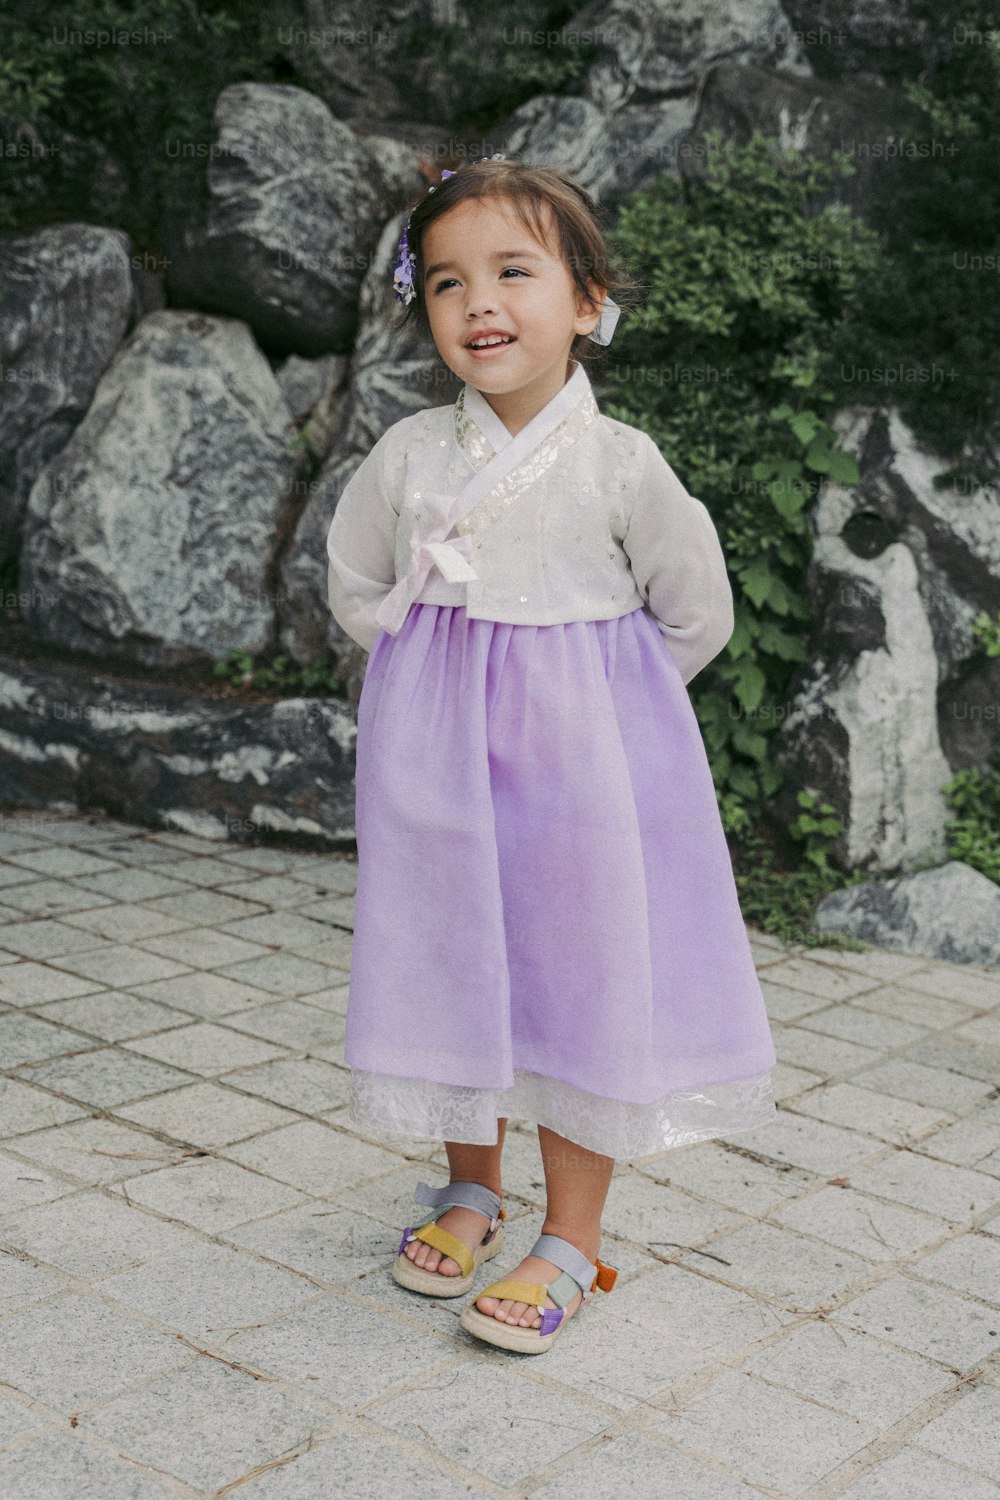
(577,517)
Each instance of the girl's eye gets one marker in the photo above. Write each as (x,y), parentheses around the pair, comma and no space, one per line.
(449,281)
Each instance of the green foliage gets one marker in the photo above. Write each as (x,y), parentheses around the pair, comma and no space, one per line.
(283,676)
(147,102)
(925,332)
(987,632)
(974,835)
(745,275)
(781,901)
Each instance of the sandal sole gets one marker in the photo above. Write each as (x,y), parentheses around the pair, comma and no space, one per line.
(507,1335)
(432,1284)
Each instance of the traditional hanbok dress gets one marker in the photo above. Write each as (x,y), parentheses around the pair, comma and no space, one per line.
(547,926)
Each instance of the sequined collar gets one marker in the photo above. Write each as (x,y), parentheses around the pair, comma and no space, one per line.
(480,433)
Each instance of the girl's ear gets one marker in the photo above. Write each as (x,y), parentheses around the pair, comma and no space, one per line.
(589,313)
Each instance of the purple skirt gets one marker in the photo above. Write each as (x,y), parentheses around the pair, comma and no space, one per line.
(546,925)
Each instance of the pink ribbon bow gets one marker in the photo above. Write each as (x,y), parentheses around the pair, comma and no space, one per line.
(430,549)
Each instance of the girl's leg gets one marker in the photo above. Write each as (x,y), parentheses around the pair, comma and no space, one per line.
(467,1164)
(576,1186)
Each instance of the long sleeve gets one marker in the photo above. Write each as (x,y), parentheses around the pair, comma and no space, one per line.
(360,547)
(679,566)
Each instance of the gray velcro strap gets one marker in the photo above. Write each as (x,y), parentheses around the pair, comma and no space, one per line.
(567,1257)
(460,1195)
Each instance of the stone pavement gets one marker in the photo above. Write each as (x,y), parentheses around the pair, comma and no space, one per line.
(195,1297)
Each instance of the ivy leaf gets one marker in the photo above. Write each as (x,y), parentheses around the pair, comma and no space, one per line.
(844,467)
(804,425)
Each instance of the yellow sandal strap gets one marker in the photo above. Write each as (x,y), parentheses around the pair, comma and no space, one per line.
(448,1244)
(532,1292)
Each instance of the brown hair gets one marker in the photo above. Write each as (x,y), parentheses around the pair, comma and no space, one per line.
(578,221)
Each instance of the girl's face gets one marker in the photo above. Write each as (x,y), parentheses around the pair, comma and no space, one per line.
(485,273)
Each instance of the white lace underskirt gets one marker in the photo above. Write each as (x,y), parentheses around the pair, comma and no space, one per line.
(416,1109)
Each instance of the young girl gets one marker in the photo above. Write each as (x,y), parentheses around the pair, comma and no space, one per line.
(547,924)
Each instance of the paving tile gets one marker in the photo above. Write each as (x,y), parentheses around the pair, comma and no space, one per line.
(307,1084)
(113,1016)
(855,1374)
(101,1350)
(206,1115)
(21,1283)
(45,938)
(912,1472)
(355,1466)
(29,983)
(203,947)
(969,1263)
(787,1082)
(878,1231)
(207,995)
(878,963)
(81,1469)
(23,1108)
(931,1086)
(207,1424)
(208,1194)
(105,1076)
(282,973)
(653,1214)
(274,890)
(972,1059)
(727,1175)
(279,929)
(785,1003)
(826,1055)
(880,1115)
(344,1352)
(487,1408)
(292,1023)
(820,979)
(24,1039)
(202,871)
(634,1464)
(930,1320)
(23,1185)
(89,1234)
(953,1193)
(762,1257)
(972,1142)
(334,997)
(96,1151)
(133,884)
(206,1049)
(326,1241)
(957,982)
(64,862)
(852,1023)
(312,1157)
(123,923)
(119,965)
(738,1419)
(970,1427)
(810,1144)
(200,907)
(49,897)
(207,1291)
(912,1005)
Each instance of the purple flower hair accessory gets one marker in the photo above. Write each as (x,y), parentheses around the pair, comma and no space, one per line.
(406,261)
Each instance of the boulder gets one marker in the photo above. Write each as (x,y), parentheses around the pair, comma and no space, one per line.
(884,713)
(66,301)
(294,204)
(855,39)
(951,913)
(162,757)
(152,534)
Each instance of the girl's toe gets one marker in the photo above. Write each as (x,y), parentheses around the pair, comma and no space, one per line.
(487,1305)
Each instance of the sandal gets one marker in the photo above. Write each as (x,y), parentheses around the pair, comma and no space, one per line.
(453,1195)
(577,1275)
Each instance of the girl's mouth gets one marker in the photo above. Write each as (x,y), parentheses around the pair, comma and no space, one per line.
(490,351)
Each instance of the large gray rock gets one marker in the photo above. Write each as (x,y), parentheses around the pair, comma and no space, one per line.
(294,206)
(874,124)
(151,535)
(66,300)
(160,756)
(884,714)
(630,121)
(951,913)
(392,375)
(865,39)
